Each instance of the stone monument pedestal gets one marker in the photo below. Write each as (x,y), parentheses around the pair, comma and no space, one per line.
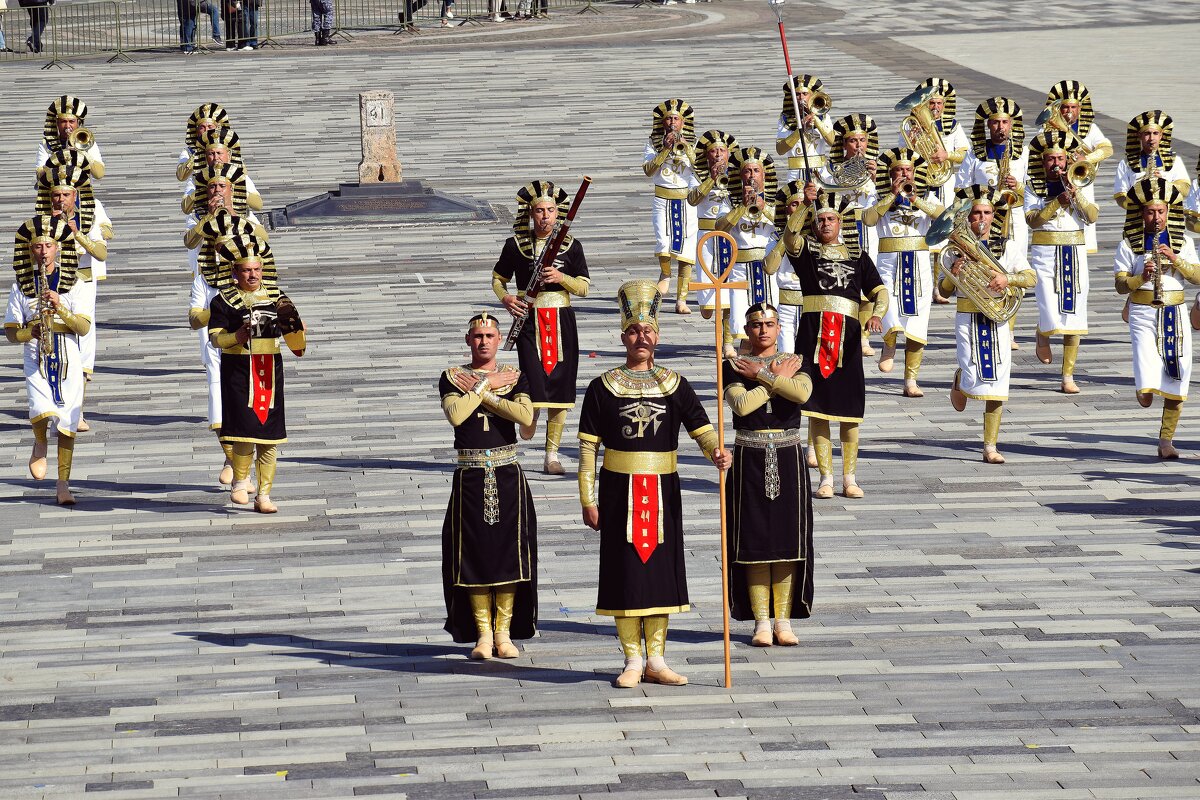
(377,120)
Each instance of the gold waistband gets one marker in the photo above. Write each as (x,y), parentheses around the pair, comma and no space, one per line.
(896,244)
(667,193)
(647,463)
(814,161)
(492,457)
(966,306)
(1056,237)
(558,299)
(1145,297)
(761,440)
(707,223)
(257,347)
(814,304)
(791,297)
(751,254)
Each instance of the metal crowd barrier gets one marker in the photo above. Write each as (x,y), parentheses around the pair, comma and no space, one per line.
(60,33)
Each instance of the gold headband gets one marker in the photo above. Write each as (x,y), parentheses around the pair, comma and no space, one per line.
(485,320)
(43,239)
(1054,150)
(1156,202)
(241,262)
(66,187)
(65,115)
(764,313)
(1151,126)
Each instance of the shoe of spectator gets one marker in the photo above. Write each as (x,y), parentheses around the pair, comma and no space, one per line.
(29,44)
(248,47)
(218,40)
(668,2)
(497,18)
(445,23)
(450,12)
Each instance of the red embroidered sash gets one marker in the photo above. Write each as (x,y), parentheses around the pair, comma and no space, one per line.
(645,513)
(829,352)
(548,346)
(262,385)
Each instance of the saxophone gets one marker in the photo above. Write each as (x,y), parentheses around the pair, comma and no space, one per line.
(1157,301)
(45,314)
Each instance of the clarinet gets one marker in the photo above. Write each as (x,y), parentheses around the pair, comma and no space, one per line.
(547,256)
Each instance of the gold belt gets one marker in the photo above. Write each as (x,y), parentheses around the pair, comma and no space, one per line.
(1056,237)
(751,254)
(896,244)
(966,306)
(557,299)
(814,161)
(491,457)
(791,297)
(814,304)
(761,440)
(667,193)
(1145,297)
(707,223)
(645,463)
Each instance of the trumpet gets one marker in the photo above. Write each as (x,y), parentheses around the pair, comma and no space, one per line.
(1081,174)
(721,182)
(908,188)
(81,139)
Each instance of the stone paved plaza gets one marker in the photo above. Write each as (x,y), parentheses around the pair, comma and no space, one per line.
(1030,630)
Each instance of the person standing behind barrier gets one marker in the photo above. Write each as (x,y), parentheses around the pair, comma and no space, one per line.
(189,12)
(250,24)
(322,22)
(38,16)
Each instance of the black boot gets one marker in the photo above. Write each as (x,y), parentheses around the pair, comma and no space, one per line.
(319,36)
(329,36)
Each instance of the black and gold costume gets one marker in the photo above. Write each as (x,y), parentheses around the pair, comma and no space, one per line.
(489,537)
(768,503)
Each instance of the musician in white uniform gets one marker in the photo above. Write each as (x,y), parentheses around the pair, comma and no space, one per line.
(207,117)
(901,217)
(667,161)
(710,196)
(752,185)
(817,132)
(1075,114)
(215,147)
(1148,154)
(64,117)
(1154,264)
(52,363)
(982,342)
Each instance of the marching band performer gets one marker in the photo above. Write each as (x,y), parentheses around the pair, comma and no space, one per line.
(66,192)
(999,158)
(901,217)
(711,198)
(216,147)
(635,411)
(1074,114)
(818,133)
(62,131)
(1148,154)
(1192,215)
(489,537)
(752,184)
(768,500)
(943,106)
(981,343)
(49,308)
(245,321)
(206,117)
(790,299)
(823,249)
(667,161)
(1152,263)
(548,349)
(220,188)
(852,168)
(1057,213)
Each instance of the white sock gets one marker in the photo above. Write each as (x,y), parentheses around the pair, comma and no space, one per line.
(656,663)
(633,664)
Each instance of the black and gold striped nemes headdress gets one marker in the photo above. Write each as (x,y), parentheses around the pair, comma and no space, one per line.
(237,250)
(220,137)
(528,196)
(807,83)
(235,174)
(709,139)
(997,108)
(65,106)
(901,155)
(1151,191)
(75,179)
(1159,120)
(1074,90)
(786,194)
(672,106)
(1051,140)
(845,208)
(43,228)
(745,155)
(217,230)
(848,126)
(209,112)
(66,157)
(944,89)
(995,197)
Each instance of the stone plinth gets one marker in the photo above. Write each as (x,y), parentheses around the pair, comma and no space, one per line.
(377,118)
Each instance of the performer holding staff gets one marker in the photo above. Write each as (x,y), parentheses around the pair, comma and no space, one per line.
(901,217)
(635,412)
(1153,261)
(990,274)
(667,161)
(751,223)
(711,198)
(768,504)
(1058,213)
(548,345)
(489,537)
(49,309)
(803,161)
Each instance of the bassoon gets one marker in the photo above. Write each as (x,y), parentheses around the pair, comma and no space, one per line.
(544,259)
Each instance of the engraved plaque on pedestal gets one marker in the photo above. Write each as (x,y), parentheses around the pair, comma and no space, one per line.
(377,118)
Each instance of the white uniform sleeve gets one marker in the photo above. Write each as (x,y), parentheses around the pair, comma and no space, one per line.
(649,152)
(1124,177)
(1032,201)
(1124,260)
(16,308)
(250,187)
(1193,199)
(81,300)
(43,155)
(199,298)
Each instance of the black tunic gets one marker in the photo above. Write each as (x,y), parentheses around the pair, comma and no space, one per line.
(239,420)
(623,416)
(760,529)
(474,553)
(556,388)
(843,395)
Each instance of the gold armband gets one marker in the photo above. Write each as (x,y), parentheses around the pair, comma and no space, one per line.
(588,449)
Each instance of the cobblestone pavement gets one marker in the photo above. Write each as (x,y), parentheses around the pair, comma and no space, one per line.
(1029,630)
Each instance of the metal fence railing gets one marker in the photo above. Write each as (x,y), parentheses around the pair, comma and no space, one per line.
(65,31)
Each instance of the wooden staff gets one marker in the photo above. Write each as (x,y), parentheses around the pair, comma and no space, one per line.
(718,282)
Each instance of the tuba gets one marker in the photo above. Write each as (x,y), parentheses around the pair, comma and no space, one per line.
(978,266)
(850,174)
(921,134)
(81,139)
